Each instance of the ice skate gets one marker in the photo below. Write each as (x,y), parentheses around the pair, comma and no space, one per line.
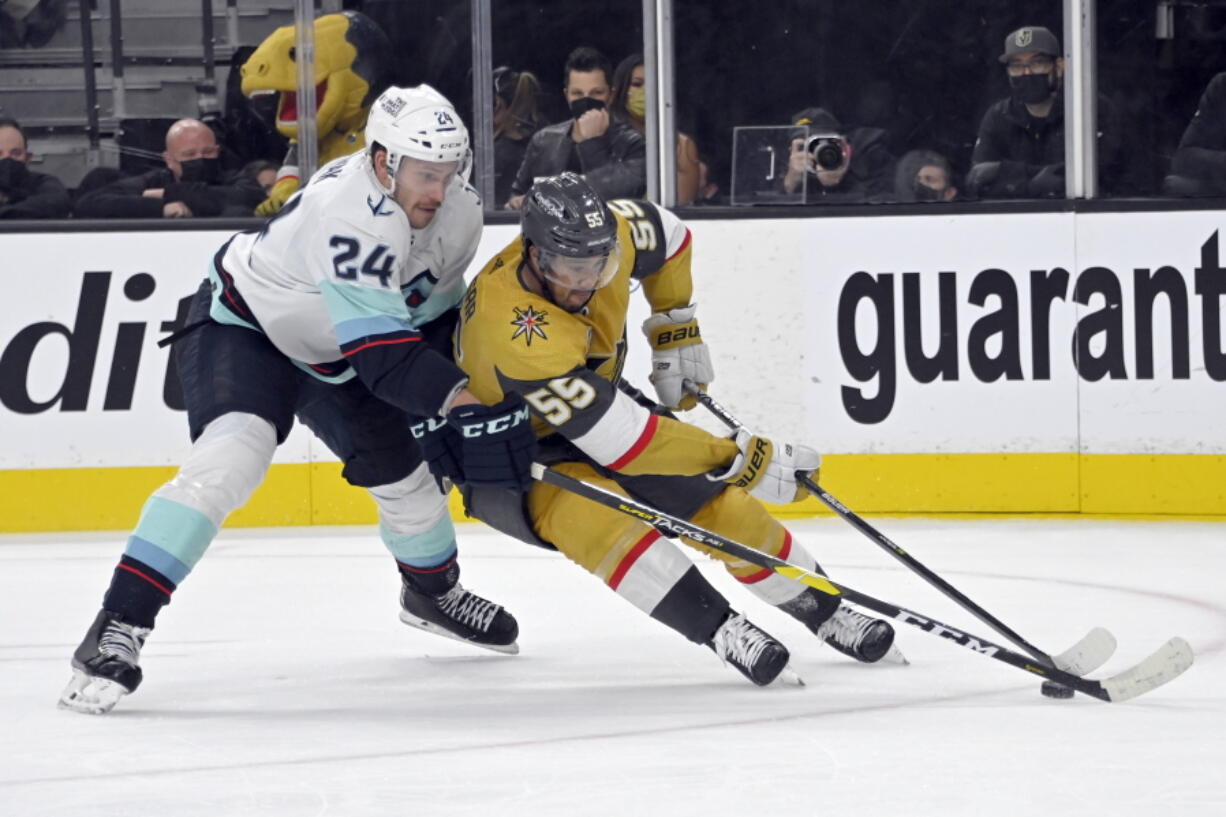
(106,666)
(859,636)
(461,615)
(752,651)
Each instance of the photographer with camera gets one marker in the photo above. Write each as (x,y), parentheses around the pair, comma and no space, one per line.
(835,164)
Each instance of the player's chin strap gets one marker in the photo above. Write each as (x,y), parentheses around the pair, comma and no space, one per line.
(1167,663)
(884,542)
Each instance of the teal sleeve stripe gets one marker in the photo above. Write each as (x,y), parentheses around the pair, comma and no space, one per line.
(435,305)
(355,328)
(183,533)
(425,549)
(346,302)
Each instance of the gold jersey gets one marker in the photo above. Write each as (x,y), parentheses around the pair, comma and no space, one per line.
(566,365)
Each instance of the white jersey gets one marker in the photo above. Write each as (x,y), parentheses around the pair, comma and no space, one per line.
(340,266)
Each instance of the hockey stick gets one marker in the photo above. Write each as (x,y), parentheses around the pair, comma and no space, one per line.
(1087,655)
(1165,664)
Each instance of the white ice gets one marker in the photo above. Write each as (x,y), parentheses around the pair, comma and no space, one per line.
(279,682)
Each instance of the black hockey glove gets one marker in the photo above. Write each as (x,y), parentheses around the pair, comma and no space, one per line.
(498,443)
(441,448)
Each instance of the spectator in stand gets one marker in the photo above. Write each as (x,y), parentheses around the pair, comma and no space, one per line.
(1199,165)
(864,173)
(611,155)
(516,119)
(924,176)
(629,105)
(24,193)
(189,185)
(1020,149)
(263,171)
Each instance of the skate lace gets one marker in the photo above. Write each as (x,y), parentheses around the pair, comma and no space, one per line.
(846,626)
(468,608)
(740,641)
(123,641)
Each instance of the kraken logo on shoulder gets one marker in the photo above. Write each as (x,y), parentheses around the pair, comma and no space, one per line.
(528,323)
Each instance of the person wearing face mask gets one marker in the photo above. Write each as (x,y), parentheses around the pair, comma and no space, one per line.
(610,154)
(1019,152)
(24,193)
(191,183)
(629,105)
(924,176)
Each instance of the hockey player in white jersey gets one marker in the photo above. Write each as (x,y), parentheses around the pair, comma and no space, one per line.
(339,311)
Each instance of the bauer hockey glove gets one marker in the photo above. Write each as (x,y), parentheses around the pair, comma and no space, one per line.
(677,354)
(768,470)
(441,449)
(497,442)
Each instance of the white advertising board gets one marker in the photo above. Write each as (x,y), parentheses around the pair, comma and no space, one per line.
(934,334)
(1161,367)
(863,335)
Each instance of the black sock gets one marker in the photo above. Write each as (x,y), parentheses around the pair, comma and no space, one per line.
(137,592)
(433,581)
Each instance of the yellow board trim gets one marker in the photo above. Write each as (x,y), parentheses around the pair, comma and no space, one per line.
(1123,485)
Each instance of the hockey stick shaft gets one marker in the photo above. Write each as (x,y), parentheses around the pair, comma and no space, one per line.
(885,543)
(674,526)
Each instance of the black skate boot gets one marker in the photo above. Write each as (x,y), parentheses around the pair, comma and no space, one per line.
(859,636)
(751,650)
(106,666)
(848,631)
(461,615)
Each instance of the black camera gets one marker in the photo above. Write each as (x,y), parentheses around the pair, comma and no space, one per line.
(829,151)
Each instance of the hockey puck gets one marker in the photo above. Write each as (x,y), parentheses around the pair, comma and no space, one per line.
(1051,689)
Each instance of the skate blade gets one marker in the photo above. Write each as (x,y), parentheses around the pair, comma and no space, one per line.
(89,695)
(430,627)
(894,656)
(788,677)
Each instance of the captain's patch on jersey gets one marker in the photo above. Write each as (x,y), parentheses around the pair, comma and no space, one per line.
(528,323)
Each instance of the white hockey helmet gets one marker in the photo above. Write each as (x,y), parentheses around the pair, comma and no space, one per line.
(418,123)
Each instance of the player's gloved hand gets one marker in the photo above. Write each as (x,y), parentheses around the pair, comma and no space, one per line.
(768,470)
(498,443)
(677,354)
(441,448)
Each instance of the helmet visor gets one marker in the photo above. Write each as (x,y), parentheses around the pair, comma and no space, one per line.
(579,274)
(423,178)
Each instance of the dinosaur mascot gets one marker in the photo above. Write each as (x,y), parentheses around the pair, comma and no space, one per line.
(352,66)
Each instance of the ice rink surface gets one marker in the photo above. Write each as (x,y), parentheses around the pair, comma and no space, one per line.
(280,682)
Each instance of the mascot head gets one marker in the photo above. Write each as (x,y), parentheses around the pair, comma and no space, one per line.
(352,65)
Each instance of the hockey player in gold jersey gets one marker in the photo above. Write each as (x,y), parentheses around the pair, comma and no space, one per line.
(546,318)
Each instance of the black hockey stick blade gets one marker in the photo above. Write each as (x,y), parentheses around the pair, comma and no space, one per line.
(1164,665)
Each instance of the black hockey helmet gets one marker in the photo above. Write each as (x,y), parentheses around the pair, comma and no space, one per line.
(573,230)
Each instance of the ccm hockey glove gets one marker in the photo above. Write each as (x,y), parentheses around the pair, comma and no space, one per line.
(441,449)
(677,354)
(768,470)
(497,443)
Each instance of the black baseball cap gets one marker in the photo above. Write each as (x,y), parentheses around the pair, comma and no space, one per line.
(1034,39)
